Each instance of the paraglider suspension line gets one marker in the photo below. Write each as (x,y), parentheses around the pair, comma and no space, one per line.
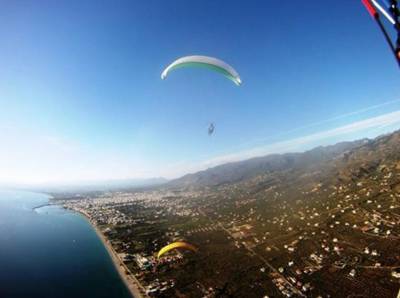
(395,12)
(388,39)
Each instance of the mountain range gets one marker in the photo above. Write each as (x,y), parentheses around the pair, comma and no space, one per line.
(247,169)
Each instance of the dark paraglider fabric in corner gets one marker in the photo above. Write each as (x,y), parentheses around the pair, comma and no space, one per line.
(392,15)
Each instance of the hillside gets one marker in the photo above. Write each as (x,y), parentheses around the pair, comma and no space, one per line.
(247,169)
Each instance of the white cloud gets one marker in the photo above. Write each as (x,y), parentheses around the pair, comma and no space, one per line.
(322,122)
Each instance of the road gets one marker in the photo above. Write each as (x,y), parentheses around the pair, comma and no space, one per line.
(264,260)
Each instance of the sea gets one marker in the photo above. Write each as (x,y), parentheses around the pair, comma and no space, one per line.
(51,252)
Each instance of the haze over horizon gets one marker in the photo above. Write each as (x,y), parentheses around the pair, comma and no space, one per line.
(82,99)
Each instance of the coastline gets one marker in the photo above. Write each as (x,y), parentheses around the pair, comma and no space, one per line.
(130,281)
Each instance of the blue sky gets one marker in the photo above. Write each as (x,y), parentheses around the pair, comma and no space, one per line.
(81,95)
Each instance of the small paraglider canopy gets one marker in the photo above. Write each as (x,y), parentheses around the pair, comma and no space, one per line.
(175,245)
(204,61)
(392,14)
(211,129)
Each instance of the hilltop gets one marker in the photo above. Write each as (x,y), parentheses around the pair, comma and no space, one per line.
(239,171)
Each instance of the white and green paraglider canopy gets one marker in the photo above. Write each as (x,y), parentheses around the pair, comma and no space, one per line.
(204,61)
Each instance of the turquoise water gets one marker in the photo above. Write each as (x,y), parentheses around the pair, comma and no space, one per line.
(51,252)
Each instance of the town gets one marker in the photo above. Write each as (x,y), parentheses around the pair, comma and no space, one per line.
(334,233)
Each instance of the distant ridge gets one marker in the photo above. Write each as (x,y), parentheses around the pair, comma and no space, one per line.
(237,171)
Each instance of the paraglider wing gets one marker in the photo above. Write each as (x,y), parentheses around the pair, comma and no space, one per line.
(384,12)
(204,61)
(174,245)
(372,11)
(376,10)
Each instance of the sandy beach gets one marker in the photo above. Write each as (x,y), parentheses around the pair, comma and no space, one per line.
(134,286)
